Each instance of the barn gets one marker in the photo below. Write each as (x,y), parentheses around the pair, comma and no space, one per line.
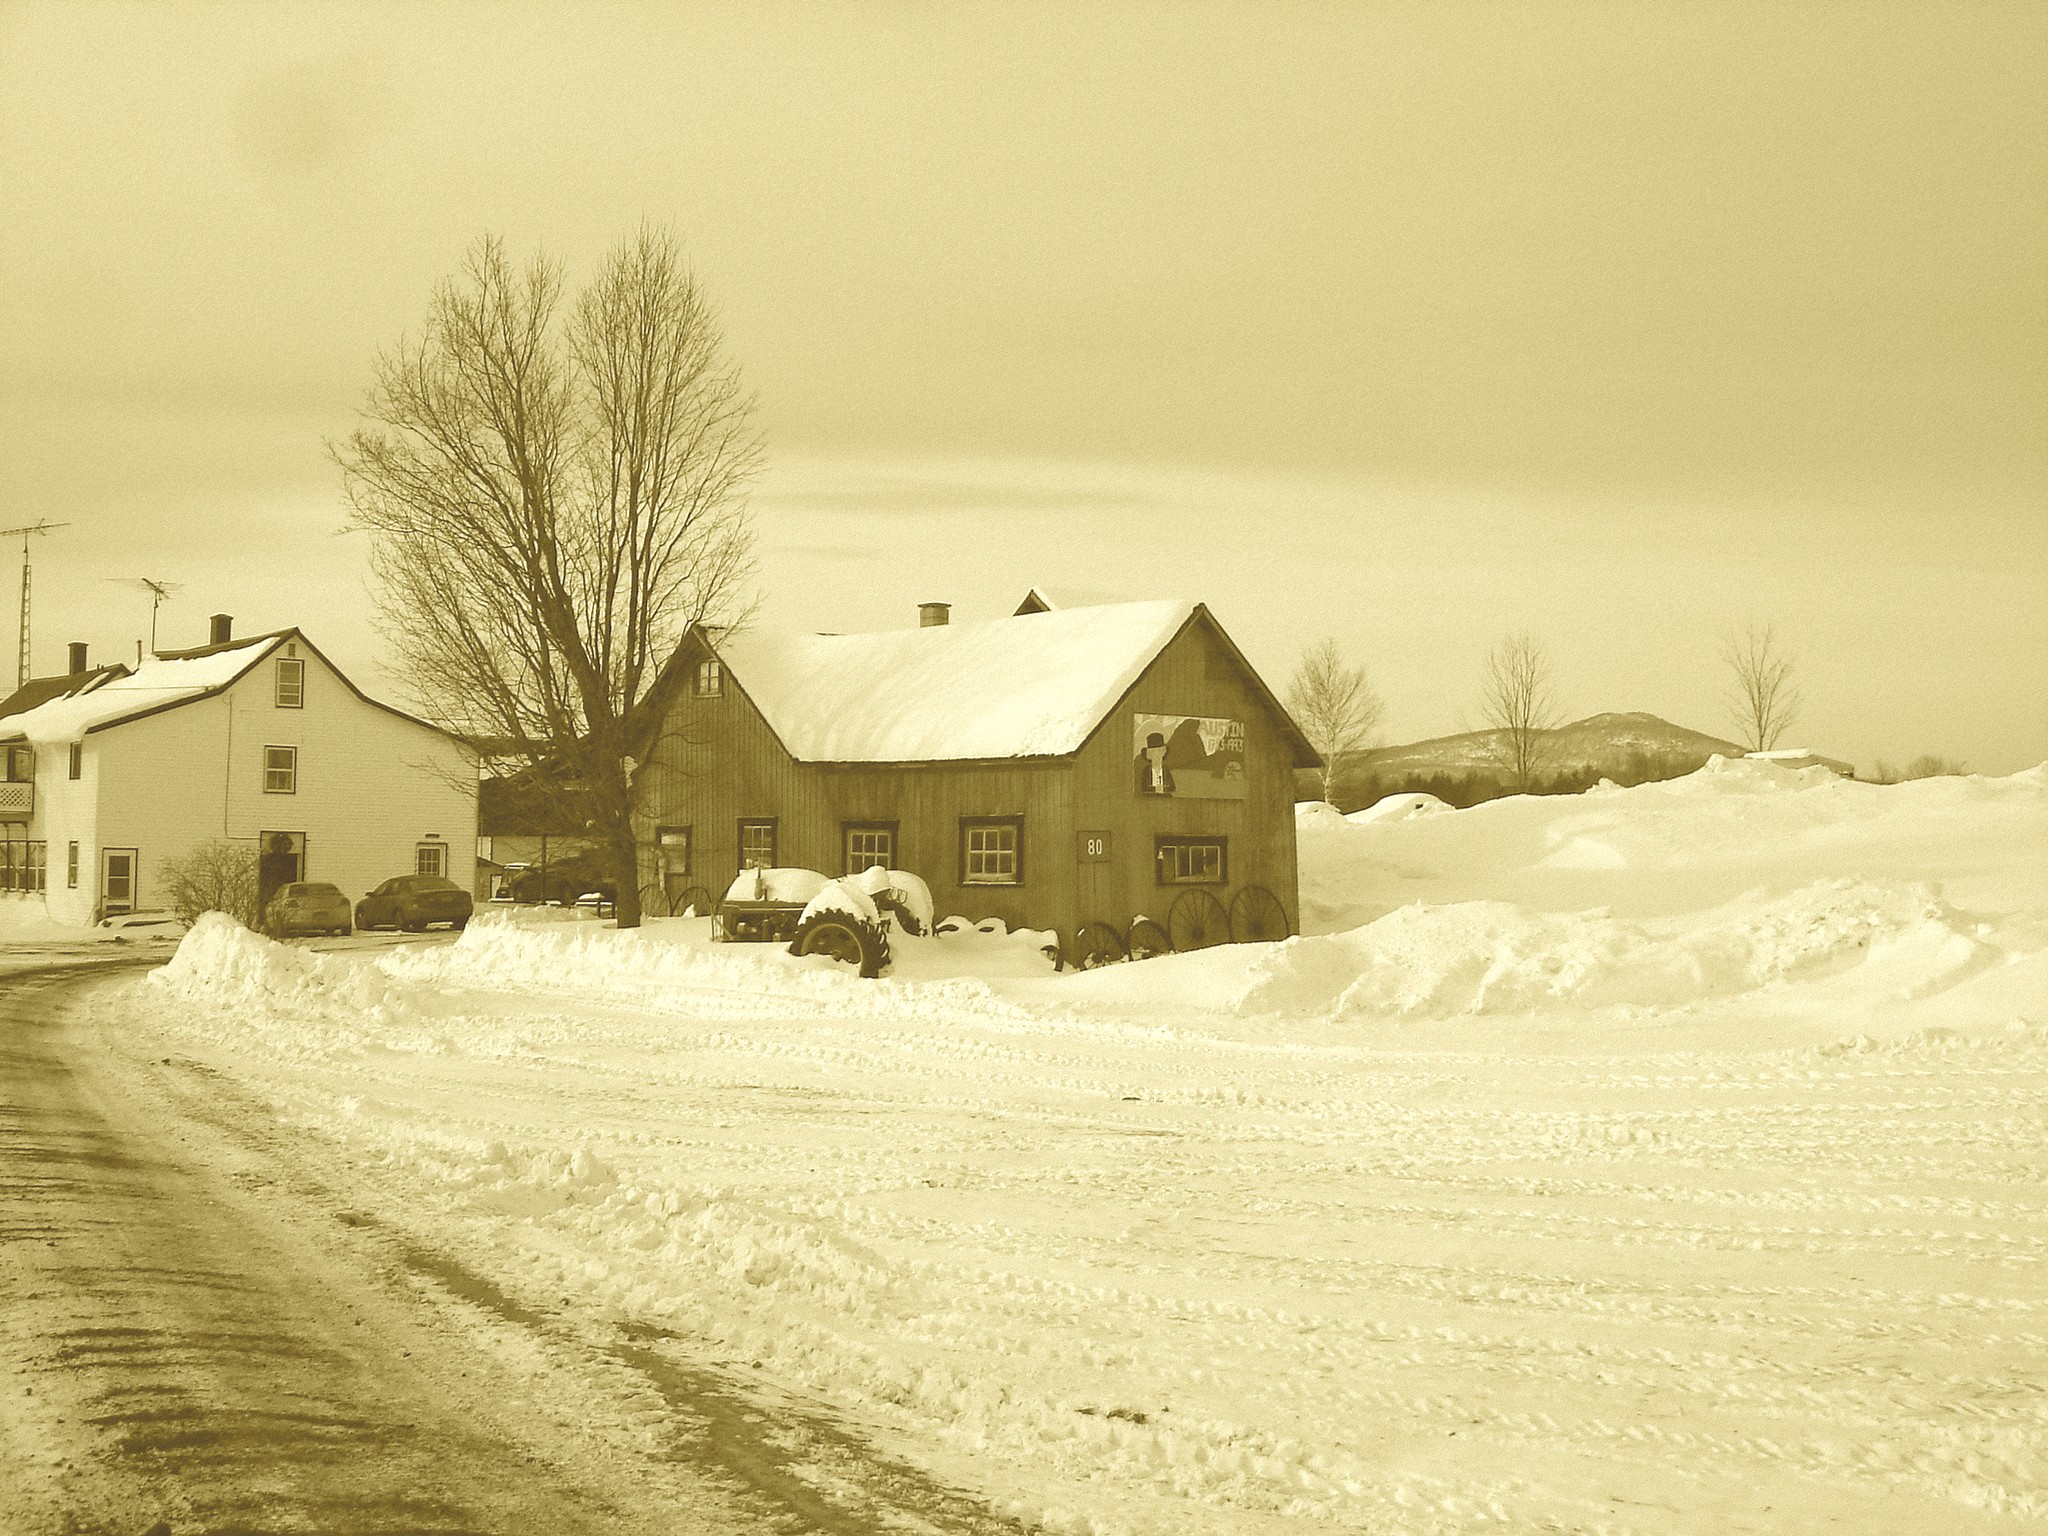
(1066,767)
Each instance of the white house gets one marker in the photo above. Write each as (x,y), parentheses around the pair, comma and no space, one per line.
(113,772)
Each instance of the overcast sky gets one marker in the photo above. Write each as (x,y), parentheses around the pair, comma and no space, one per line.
(1622,324)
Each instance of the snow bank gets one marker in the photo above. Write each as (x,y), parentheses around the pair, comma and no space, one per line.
(314,1004)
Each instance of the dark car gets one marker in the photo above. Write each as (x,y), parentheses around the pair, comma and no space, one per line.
(563,882)
(413,902)
(308,906)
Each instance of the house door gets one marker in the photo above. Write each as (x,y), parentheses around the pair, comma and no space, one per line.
(117,880)
(281,861)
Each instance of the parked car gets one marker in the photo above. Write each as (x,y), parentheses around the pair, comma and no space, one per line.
(565,881)
(308,906)
(413,902)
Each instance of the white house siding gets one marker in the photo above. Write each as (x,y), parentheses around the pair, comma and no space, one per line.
(66,813)
(371,787)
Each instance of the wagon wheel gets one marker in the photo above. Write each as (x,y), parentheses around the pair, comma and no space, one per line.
(691,899)
(1147,939)
(1256,916)
(653,899)
(1197,921)
(1096,944)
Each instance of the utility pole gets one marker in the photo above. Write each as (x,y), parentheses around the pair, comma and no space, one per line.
(21,663)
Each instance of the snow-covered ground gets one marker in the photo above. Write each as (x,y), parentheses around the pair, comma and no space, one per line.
(1660,1159)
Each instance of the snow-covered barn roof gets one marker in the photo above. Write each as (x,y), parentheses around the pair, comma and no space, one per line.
(1035,685)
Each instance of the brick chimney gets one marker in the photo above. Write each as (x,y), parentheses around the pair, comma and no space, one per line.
(77,657)
(221,629)
(931,615)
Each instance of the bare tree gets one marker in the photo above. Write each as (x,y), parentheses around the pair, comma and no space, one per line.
(218,875)
(554,499)
(1763,698)
(1520,707)
(1335,705)
(1929,765)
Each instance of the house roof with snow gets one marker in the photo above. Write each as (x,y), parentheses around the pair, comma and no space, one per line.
(116,695)
(1031,685)
(40,690)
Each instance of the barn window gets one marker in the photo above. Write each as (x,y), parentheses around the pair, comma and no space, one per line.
(280,770)
(291,684)
(869,843)
(992,850)
(672,847)
(710,679)
(1193,860)
(757,844)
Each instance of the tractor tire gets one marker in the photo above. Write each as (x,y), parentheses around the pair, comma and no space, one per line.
(844,938)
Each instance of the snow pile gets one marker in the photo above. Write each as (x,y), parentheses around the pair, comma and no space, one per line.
(1399,808)
(321,1004)
(671,965)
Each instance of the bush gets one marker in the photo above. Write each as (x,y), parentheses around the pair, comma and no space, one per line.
(218,875)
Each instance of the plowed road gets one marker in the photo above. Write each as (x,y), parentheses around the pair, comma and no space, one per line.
(198,1334)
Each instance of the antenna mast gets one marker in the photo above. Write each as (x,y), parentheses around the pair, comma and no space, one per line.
(24,533)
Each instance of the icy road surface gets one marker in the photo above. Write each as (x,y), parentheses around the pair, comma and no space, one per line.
(1661,1160)
(199,1336)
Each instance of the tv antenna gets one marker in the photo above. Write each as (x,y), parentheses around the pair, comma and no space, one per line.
(159,594)
(25,533)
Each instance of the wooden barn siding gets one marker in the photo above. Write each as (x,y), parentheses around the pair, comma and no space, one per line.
(716,761)
(1194,675)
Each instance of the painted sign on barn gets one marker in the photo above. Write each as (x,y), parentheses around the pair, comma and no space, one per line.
(1191,757)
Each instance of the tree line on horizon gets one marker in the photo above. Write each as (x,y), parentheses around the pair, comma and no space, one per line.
(1339,710)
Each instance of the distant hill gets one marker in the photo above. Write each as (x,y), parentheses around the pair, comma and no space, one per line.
(1604,744)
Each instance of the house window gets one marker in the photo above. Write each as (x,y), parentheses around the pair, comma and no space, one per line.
(76,768)
(710,679)
(38,865)
(1193,860)
(71,865)
(291,685)
(280,770)
(869,843)
(21,765)
(991,850)
(430,859)
(757,844)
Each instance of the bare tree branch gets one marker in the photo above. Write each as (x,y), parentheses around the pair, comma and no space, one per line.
(1763,698)
(1520,707)
(556,494)
(1335,705)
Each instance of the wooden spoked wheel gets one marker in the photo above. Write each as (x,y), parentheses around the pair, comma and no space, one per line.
(691,900)
(653,899)
(1096,944)
(1147,939)
(1256,916)
(1197,921)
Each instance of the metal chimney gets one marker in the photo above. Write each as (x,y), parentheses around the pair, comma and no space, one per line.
(221,629)
(930,615)
(77,657)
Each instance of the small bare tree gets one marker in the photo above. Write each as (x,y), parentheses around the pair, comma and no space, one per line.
(1336,707)
(1929,765)
(218,875)
(1520,708)
(554,500)
(1763,698)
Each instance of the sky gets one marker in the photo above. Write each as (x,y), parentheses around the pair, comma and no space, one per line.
(1413,326)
